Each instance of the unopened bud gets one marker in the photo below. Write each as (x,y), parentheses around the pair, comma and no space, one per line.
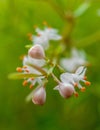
(39,96)
(65,91)
(36,52)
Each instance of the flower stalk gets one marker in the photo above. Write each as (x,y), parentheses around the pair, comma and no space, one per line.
(55,78)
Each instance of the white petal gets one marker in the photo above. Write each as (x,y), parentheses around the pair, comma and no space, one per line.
(67,78)
(68,64)
(83,73)
(41,40)
(79,70)
(25,60)
(55,37)
(39,62)
(76,78)
(51,30)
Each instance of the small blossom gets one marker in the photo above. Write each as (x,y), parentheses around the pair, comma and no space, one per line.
(36,52)
(69,81)
(52,34)
(44,36)
(65,88)
(49,33)
(30,70)
(75,78)
(80,76)
(77,59)
(39,96)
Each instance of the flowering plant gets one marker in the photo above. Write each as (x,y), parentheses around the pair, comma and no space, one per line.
(43,58)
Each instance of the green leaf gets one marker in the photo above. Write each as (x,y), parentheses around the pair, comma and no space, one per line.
(21,76)
(82,9)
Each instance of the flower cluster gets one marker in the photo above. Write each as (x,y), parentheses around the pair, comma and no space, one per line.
(37,68)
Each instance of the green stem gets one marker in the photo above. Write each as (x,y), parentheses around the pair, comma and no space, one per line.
(38,69)
(69,20)
(55,78)
(67,34)
(60,68)
(68,29)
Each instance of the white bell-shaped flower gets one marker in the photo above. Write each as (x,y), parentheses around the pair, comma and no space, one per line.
(36,52)
(39,96)
(65,90)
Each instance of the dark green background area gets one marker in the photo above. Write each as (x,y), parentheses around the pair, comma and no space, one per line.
(17,18)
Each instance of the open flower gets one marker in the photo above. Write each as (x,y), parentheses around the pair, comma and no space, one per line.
(39,96)
(65,88)
(75,78)
(37,62)
(27,69)
(77,59)
(44,36)
(80,76)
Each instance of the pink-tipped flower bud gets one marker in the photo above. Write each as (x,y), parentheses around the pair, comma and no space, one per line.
(39,96)
(36,52)
(65,90)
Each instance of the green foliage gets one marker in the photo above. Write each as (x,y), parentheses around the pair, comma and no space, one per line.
(17,19)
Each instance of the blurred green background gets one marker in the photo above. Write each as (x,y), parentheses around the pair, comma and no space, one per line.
(17,18)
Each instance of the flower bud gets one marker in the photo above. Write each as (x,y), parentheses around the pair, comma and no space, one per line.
(36,52)
(65,91)
(39,96)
